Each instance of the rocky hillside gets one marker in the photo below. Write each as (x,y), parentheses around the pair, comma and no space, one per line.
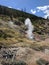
(15,47)
(41,25)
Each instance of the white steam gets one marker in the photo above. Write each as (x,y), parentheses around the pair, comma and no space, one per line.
(30,28)
(11,24)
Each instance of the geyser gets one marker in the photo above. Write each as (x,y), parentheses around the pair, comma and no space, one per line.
(30,27)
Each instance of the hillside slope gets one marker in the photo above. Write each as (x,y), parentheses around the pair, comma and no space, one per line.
(15,47)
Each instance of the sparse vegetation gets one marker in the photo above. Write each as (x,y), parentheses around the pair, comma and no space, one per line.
(13,63)
(42,62)
(28,50)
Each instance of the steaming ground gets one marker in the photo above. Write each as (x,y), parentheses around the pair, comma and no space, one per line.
(16,48)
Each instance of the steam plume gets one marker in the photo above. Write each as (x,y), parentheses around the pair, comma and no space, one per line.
(30,28)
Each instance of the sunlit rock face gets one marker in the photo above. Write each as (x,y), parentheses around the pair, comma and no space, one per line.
(30,28)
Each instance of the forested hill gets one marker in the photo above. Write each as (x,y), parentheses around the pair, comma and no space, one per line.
(41,24)
(16,13)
